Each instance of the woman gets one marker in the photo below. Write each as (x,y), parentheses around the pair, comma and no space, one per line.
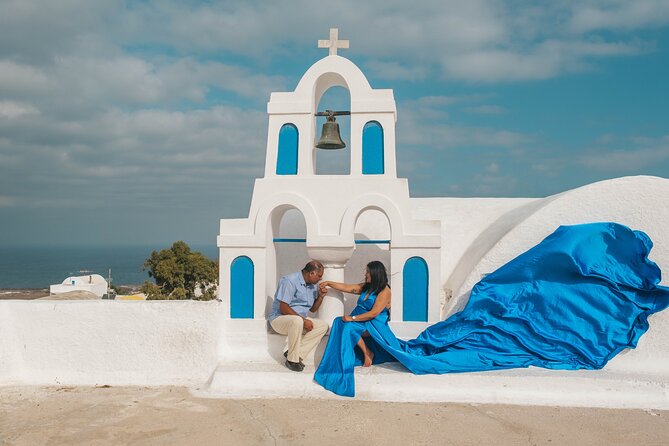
(368,321)
(374,299)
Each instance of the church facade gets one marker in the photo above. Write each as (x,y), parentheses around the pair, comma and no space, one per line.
(344,221)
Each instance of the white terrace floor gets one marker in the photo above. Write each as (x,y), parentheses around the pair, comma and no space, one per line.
(267,377)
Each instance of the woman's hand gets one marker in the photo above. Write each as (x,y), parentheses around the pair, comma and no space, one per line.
(346,319)
(323,287)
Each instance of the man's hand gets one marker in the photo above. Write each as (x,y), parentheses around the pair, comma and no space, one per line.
(308,325)
(323,288)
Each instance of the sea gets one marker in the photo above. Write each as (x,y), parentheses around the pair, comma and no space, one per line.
(41,266)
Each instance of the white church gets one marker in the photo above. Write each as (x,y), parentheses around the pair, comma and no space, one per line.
(344,221)
(435,249)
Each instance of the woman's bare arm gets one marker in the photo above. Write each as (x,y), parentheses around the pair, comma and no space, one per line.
(352,288)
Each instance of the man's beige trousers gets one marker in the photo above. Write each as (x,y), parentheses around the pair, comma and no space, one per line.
(300,342)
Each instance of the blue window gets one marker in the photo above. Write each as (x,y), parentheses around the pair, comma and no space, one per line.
(286,163)
(372,149)
(241,288)
(414,291)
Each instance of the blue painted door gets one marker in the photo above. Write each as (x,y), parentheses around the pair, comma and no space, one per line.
(372,149)
(286,163)
(241,288)
(414,291)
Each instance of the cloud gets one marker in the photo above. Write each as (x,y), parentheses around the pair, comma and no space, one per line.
(6,201)
(18,78)
(541,61)
(37,31)
(651,153)
(424,121)
(493,185)
(396,71)
(123,106)
(11,110)
(136,159)
(618,14)
(486,109)
(478,41)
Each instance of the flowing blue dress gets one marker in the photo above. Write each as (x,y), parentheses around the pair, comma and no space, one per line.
(572,302)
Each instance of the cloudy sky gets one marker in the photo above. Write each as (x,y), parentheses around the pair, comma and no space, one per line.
(133,122)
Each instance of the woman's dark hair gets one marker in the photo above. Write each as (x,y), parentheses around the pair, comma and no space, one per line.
(378,276)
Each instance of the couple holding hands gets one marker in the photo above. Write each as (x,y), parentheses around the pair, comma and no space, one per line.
(300,293)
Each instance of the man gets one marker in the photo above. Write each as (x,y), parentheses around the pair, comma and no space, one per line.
(296,295)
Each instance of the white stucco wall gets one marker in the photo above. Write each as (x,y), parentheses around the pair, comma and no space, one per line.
(108,342)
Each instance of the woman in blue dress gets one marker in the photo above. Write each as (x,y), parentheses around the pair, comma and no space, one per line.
(335,372)
(574,301)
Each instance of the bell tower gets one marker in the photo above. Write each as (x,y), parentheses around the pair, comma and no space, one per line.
(330,204)
(373,116)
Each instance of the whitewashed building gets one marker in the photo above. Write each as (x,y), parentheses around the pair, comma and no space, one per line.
(93,283)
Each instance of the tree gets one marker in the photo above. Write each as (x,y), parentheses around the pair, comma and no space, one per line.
(179,273)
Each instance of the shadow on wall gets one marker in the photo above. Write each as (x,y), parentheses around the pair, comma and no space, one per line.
(479,248)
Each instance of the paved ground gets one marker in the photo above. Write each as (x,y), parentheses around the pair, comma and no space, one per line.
(171,415)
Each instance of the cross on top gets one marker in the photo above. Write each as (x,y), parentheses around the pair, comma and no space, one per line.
(334,42)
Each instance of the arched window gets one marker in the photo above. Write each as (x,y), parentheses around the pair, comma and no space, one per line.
(286,163)
(372,149)
(241,288)
(414,291)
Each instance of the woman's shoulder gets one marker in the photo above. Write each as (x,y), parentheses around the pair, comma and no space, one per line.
(384,293)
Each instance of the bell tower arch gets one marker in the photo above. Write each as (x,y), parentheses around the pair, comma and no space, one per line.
(299,108)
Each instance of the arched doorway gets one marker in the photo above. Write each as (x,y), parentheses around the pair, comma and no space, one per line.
(290,243)
(372,235)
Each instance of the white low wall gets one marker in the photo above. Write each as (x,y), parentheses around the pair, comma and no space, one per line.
(177,343)
(183,342)
(108,342)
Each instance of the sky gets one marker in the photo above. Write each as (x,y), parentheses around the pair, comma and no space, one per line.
(144,122)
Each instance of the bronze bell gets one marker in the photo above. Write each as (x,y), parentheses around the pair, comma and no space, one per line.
(330,138)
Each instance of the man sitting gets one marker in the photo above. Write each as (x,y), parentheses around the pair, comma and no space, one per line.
(296,295)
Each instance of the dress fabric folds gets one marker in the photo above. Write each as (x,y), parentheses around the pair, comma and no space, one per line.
(572,302)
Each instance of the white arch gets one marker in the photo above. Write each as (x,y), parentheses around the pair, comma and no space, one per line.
(329,72)
(283,202)
(371,201)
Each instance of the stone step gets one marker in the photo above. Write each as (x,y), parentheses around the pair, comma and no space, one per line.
(391,382)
